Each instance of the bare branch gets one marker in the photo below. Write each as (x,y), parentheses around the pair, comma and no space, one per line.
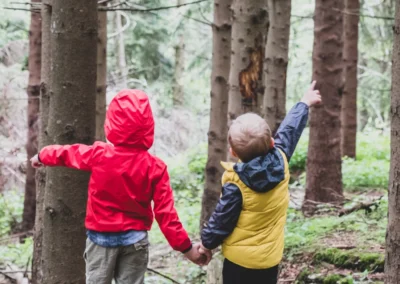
(151,9)
(163,275)
(197,20)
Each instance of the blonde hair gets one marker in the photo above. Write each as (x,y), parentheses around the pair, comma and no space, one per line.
(249,136)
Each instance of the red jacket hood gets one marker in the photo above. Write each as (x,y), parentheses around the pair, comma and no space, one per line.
(129,120)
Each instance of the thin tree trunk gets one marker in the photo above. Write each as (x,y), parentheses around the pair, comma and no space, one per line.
(249,29)
(34,66)
(37,262)
(121,51)
(350,58)
(392,260)
(72,120)
(276,61)
(217,135)
(324,175)
(177,85)
(101,74)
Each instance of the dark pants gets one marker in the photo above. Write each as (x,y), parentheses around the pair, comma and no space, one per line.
(236,274)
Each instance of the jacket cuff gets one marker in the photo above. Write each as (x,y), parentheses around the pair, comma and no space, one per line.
(188,249)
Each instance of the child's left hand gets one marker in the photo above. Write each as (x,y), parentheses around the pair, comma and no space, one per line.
(206,252)
(35,162)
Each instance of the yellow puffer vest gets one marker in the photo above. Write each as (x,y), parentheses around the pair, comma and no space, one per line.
(258,238)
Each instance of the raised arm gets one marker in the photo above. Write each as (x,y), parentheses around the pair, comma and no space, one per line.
(77,156)
(292,127)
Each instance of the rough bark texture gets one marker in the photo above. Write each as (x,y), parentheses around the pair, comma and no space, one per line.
(34,66)
(350,59)
(249,28)
(276,61)
(101,74)
(37,262)
(217,135)
(324,176)
(71,120)
(177,85)
(392,260)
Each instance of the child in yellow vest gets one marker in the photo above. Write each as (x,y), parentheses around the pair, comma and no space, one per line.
(250,216)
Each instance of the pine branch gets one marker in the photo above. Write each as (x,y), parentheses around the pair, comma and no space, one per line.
(151,9)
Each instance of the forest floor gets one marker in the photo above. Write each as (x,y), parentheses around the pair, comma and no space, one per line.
(324,248)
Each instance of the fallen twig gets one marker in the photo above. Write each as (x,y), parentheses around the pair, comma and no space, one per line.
(162,275)
(361,206)
(13,280)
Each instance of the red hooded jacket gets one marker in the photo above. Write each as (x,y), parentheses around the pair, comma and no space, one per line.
(125,178)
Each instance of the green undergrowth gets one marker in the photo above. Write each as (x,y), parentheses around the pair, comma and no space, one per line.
(306,276)
(351,259)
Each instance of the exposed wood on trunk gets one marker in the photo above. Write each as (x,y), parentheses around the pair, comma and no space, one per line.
(249,28)
(71,120)
(392,259)
(101,74)
(217,135)
(350,59)
(324,174)
(34,66)
(276,61)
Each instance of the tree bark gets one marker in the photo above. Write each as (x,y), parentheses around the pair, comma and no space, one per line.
(217,135)
(37,262)
(392,260)
(34,66)
(101,74)
(121,51)
(350,59)
(324,175)
(177,86)
(249,29)
(71,120)
(276,61)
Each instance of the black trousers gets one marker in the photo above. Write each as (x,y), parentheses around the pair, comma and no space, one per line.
(236,274)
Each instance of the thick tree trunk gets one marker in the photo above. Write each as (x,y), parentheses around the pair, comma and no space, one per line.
(177,85)
(276,61)
(101,74)
(217,135)
(350,59)
(249,29)
(324,175)
(34,66)
(72,120)
(37,262)
(392,260)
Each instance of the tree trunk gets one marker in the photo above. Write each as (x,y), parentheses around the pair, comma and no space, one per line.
(350,59)
(276,61)
(249,28)
(121,51)
(71,120)
(177,85)
(217,135)
(37,262)
(101,74)
(392,260)
(324,175)
(34,66)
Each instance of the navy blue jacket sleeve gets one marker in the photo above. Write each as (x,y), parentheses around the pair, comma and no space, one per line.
(289,132)
(225,217)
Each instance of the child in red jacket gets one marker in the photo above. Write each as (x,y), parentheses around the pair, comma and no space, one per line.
(124,181)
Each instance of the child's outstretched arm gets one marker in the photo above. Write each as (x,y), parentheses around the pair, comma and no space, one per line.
(77,156)
(224,218)
(292,127)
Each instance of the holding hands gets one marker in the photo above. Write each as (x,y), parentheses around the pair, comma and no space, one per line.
(199,255)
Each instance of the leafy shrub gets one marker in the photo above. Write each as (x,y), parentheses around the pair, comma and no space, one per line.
(11,207)
(18,254)
(365,173)
(299,158)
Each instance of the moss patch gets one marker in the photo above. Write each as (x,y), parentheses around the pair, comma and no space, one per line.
(351,259)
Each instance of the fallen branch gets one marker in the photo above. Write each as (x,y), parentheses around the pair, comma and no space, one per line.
(361,206)
(162,275)
(13,280)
